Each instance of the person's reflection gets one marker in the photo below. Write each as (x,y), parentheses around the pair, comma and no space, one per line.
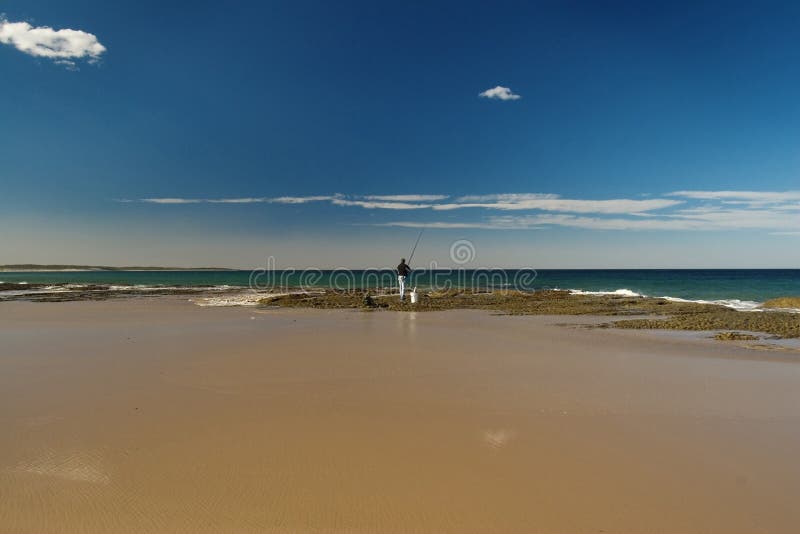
(407,324)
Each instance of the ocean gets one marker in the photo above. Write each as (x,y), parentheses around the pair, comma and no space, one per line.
(737,288)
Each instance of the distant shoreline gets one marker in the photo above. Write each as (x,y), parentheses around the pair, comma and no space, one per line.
(78,268)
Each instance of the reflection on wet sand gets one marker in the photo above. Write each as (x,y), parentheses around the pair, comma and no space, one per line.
(498,438)
(79,466)
(407,325)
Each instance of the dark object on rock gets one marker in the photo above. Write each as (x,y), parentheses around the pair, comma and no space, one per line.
(735,336)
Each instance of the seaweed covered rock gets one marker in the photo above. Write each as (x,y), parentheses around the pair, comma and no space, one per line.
(782,302)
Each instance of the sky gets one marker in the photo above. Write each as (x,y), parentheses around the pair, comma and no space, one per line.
(329,134)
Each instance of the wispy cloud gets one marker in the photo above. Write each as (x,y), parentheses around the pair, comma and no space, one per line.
(501,202)
(499,93)
(300,200)
(389,202)
(244,200)
(555,203)
(775,212)
(440,225)
(771,196)
(62,46)
(506,197)
(541,221)
(698,218)
(372,204)
(406,198)
(165,200)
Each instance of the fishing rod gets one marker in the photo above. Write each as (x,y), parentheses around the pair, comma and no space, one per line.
(415,245)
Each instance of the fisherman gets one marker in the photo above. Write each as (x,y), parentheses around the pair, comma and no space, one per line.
(402,271)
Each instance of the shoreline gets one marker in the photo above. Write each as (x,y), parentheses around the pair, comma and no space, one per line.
(651,313)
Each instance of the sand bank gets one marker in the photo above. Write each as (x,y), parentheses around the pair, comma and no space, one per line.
(155,415)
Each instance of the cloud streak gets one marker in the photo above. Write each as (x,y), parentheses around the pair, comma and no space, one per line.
(243,200)
(500,202)
(749,196)
(406,198)
(721,221)
(62,46)
(372,204)
(554,203)
(775,212)
(299,200)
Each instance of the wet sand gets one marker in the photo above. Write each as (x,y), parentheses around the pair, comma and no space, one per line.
(155,415)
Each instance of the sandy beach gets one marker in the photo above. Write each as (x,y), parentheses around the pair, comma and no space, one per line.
(156,415)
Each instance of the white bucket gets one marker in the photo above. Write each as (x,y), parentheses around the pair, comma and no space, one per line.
(414,296)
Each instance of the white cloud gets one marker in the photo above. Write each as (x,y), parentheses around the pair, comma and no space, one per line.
(439,225)
(695,219)
(300,200)
(741,218)
(505,197)
(368,204)
(168,200)
(537,222)
(244,200)
(770,196)
(555,203)
(390,202)
(406,198)
(773,212)
(62,46)
(592,223)
(499,93)
(501,202)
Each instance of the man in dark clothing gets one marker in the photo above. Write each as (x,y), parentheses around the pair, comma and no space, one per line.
(403,270)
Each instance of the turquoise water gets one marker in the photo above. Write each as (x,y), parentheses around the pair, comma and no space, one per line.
(755,285)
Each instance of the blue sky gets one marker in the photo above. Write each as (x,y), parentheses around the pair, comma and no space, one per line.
(327,134)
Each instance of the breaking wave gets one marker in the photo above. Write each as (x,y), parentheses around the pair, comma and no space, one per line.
(616,292)
(735,304)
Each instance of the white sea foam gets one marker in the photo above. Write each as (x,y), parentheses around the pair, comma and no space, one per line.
(41,291)
(736,304)
(137,287)
(143,287)
(246,299)
(251,299)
